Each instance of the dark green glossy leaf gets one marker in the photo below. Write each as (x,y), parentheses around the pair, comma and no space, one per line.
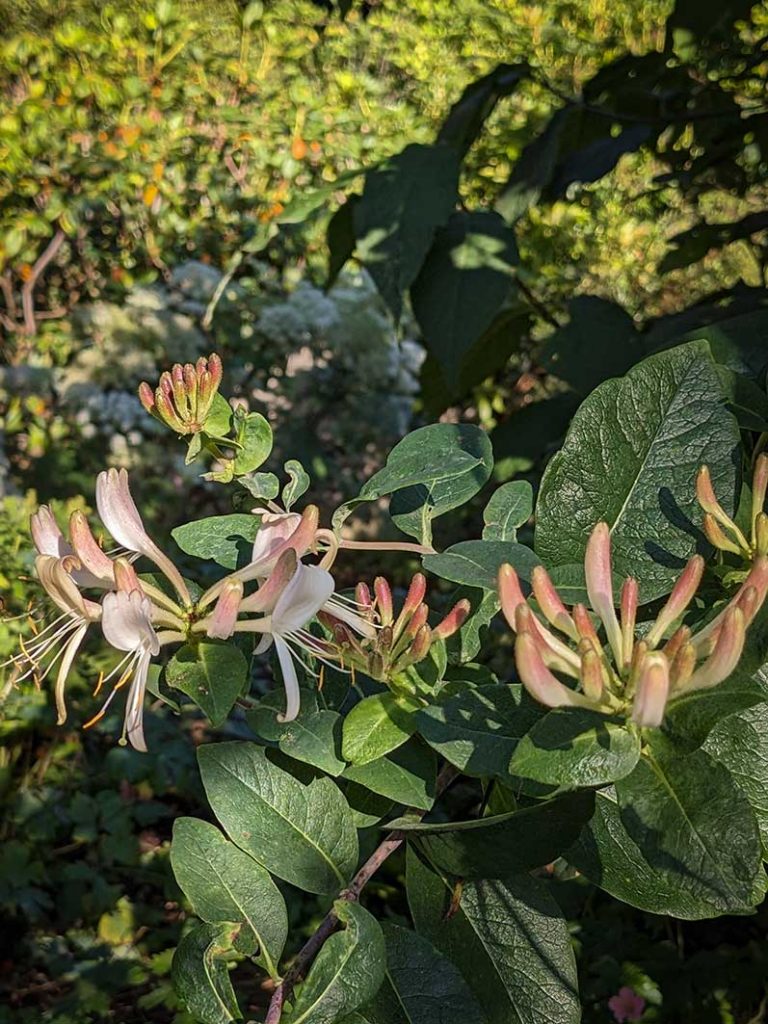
(506,844)
(630,459)
(406,775)
(303,834)
(224,884)
(576,747)
(508,939)
(467,116)
(689,719)
(477,731)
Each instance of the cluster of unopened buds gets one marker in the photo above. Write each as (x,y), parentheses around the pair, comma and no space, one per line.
(398,642)
(275,596)
(720,528)
(184,395)
(632,675)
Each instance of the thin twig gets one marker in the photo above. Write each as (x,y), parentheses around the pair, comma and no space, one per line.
(330,922)
(27,291)
(537,304)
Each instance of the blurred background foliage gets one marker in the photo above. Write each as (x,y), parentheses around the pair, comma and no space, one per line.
(168,174)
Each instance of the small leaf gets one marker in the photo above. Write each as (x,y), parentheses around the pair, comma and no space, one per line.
(263,486)
(303,834)
(576,747)
(226,540)
(255,437)
(297,485)
(406,775)
(314,736)
(476,563)
(374,727)
(347,972)
(219,419)
(200,975)
(510,506)
(224,884)
(212,674)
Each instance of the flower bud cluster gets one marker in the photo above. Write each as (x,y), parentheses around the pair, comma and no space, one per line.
(184,395)
(721,530)
(399,641)
(633,672)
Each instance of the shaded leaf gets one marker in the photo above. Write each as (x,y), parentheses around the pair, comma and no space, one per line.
(200,975)
(212,674)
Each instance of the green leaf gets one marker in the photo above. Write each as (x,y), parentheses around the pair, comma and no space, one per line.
(630,459)
(505,844)
(264,486)
(303,834)
(420,986)
(224,884)
(658,844)
(431,471)
(510,506)
(375,726)
(746,400)
(347,972)
(508,939)
(690,718)
(404,201)
(476,563)
(297,485)
(200,975)
(254,434)
(368,808)
(314,736)
(462,284)
(212,674)
(576,747)
(340,239)
(406,775)
(219,419)
(467,116)
(466,644)
(478,730)
(740,744)
(226,540)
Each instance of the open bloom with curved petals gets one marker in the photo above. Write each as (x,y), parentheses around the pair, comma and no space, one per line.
(127,625)
(119,514)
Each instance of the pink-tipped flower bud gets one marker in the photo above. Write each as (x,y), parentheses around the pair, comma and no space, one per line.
(585,627)
(761,533)
(759,488)
(705,494)
(179,391)
(166,410)
(597,569)
(638,660)
(554,653)
(652,692)
(550,602)
(414,597)
(678,639)
(222,621)
(147,397)
(418,619)
(630,598)
(216,370)
(683,666)
(749,603)
(542,684)
(383,594)
(510,594)
(717,536)
(420,646)
(453,621)
(592,678)
(363,597)
(725,655)
(682,594)
(190,390)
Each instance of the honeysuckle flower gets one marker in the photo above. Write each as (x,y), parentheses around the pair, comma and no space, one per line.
(86,562)
(119,514)
(183,397)
(62,638)
(393,644)
(636,676)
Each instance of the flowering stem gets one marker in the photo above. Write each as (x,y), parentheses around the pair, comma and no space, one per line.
(351,894)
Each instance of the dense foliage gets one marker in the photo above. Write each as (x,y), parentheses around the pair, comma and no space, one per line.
(543,225)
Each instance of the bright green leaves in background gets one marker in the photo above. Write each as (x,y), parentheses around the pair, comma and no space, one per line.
(303,834)
(630,459)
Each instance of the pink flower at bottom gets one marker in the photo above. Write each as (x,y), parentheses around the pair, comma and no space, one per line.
(626,1005)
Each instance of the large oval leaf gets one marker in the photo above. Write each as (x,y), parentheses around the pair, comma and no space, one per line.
(630,459)
(508,939)
(224,884)
(303,834)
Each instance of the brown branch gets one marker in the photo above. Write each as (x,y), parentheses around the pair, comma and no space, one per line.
(27,291)
(330,922)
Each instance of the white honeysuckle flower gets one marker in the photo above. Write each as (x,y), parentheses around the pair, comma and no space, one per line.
(49,540)
(275,529)
(60,639)
(119,514)
(127,625)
